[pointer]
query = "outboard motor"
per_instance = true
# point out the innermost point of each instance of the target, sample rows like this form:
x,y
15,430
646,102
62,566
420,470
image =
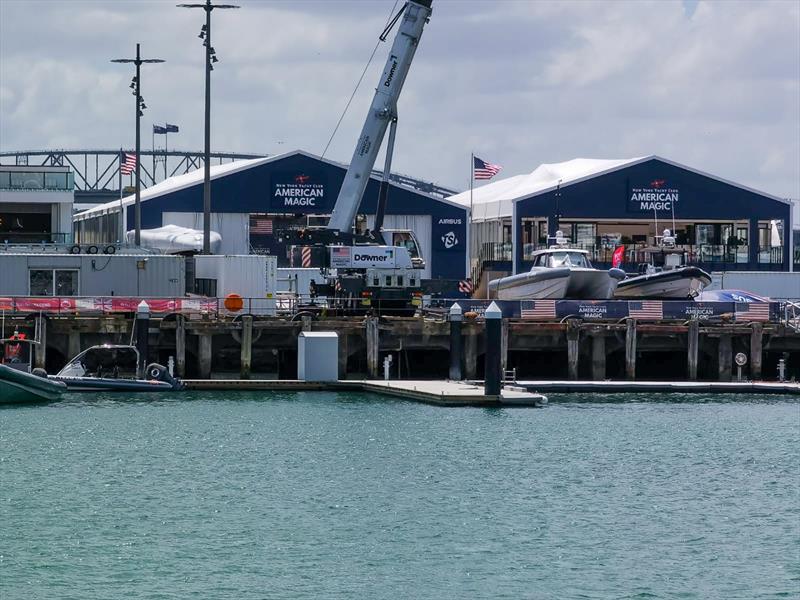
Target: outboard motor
x,y
161,373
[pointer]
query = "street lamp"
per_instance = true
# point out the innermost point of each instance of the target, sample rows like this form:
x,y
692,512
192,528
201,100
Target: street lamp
x,y
211,57
136,86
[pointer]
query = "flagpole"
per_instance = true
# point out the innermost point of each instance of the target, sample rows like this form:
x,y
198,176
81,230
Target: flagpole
x,y
166,135
121,210
473,246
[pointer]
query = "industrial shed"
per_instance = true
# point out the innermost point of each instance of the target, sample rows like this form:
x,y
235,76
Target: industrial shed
x,y
254,201
602,204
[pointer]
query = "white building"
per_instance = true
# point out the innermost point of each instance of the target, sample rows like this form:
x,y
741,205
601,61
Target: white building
x,y
36,204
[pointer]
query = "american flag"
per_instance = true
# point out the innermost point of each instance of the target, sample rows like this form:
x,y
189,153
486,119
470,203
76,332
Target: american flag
x,y
646,309
752,311
465,286
483,170
129,165
261,226
538,309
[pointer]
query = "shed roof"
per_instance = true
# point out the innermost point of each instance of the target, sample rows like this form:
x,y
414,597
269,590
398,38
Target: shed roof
x,y
496,200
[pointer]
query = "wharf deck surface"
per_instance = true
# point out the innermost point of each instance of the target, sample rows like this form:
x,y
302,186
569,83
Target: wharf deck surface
x,y
719,387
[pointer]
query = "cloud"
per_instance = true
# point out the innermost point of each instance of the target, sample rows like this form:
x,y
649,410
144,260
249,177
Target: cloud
x,y
715,85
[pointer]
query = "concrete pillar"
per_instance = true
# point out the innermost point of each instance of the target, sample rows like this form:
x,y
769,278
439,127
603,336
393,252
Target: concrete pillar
x,y
456,324
180,346
598,356
373,347
73,344
725,357
247,347
693,348
344,354
573,348
470,354
630,350
40,356
493,373
756,348
142,336
204,355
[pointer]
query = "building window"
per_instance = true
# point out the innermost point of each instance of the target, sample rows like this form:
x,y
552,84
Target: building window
x,y
205,287
53,282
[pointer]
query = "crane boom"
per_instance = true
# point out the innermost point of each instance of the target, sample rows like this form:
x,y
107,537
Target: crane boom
x,y
381,112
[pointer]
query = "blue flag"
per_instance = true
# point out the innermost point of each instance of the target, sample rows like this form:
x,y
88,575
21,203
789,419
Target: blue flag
x,y
171,128
159,129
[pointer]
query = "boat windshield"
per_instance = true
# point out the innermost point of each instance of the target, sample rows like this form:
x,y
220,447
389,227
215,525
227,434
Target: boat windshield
x,y
568,259
100,361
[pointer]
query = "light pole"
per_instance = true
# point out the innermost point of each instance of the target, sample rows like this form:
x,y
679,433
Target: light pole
x,y
211,57
136,86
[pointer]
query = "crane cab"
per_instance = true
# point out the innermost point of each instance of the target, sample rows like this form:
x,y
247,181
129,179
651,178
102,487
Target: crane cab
x,y
405,238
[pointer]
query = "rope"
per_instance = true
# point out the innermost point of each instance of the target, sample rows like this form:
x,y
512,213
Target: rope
x,y
360,79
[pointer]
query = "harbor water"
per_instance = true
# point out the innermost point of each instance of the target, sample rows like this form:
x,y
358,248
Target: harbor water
x,y
335,495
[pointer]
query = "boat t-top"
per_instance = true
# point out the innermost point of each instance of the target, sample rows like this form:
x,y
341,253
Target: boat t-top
x,y
558,272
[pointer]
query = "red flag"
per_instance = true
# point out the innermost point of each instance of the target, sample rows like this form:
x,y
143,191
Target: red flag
x,y
618,256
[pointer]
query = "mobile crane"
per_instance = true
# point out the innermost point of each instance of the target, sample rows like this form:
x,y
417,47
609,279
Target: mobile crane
x,y
370,266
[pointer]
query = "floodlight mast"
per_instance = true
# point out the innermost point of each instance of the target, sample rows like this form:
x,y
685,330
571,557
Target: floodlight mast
x,y
136,84
211,57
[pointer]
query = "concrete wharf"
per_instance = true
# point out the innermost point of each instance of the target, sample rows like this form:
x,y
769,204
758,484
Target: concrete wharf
x,y
247,347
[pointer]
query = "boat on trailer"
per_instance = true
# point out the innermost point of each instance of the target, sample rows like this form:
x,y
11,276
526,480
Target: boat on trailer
x,y
20,383
665,275
558,272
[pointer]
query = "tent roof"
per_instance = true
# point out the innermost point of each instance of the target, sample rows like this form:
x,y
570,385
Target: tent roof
x,y
496,200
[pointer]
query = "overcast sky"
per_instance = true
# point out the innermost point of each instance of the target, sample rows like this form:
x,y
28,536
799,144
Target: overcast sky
x,y
714,85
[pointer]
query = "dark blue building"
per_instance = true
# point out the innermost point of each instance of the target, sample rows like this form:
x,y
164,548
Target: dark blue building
x,y
602,204
254,202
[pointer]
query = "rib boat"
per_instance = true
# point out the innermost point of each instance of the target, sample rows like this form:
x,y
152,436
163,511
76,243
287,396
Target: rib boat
x,y
19,384
558,273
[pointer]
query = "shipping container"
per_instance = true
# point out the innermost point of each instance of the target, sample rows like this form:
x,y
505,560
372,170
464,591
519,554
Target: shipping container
x,y
253,277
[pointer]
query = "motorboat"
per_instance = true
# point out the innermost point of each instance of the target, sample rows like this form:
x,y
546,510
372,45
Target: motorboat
x,y
19,382
665,275
558,272
111,367
173,239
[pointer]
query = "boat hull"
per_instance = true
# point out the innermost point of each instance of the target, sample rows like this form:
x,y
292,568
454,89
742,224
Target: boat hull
x,y
676,284
18,387
99,384
557,284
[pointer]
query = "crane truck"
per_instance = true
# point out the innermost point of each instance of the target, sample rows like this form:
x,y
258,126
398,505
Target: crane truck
x,y
381,268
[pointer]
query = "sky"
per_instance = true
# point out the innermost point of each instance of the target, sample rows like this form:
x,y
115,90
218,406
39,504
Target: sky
x,y
714,85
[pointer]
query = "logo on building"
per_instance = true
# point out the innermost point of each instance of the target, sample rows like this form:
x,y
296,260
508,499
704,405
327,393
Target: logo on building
x,y
299,191
449,240
655,196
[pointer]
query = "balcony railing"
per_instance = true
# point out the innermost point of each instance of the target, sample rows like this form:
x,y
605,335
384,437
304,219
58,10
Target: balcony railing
x,y
37,181
17,237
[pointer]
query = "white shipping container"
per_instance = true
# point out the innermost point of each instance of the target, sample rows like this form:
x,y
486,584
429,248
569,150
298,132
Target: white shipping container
x,y
251,276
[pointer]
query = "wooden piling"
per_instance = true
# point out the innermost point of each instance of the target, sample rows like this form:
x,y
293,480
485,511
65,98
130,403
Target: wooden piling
x,y
693,348
73,344
598,356
725,354
344,354
246,347
40,356
756,339
470,353
373,347
630,350
573,348
504,346
180,346
204,355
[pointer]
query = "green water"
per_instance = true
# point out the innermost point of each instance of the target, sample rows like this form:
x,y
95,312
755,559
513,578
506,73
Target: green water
x,y
322,495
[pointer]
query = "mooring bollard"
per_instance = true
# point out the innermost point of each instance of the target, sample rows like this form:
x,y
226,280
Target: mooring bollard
x,y
456,322
142,336
492,362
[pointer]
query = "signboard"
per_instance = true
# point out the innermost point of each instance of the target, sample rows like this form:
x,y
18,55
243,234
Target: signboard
x,y
300,192
362,257
656,195
449,234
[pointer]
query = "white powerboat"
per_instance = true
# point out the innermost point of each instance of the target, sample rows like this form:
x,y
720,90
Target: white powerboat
x,y
173,239
665,276
558,272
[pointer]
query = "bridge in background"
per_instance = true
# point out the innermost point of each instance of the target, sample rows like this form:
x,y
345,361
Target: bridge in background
x,y
98,178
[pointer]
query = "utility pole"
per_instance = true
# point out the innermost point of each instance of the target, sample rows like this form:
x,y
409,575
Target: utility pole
x,y
211,57
136,86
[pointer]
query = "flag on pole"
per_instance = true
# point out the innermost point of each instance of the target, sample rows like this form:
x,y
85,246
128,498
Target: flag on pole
x,y
171,128
158,129
618,256
483,170
129,165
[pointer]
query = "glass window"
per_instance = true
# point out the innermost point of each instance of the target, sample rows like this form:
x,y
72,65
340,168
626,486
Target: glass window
x,y
41,282
55,181
66,283
27,181
5,179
